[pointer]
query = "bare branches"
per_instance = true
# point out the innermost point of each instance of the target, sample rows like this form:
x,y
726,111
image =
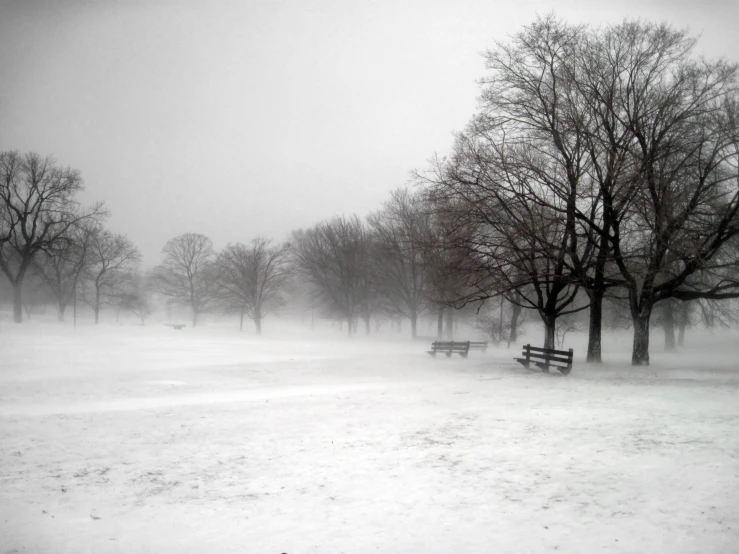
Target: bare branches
x,y
402,231
334,256
187,275
113,258
37,211
251,278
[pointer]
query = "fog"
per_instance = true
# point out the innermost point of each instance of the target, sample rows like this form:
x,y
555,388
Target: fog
x,y
245,119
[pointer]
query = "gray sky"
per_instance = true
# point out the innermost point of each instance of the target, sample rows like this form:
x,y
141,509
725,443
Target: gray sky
x,y
246,118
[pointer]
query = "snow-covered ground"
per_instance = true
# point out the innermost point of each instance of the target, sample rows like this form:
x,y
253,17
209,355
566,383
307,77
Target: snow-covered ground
x,y
145,439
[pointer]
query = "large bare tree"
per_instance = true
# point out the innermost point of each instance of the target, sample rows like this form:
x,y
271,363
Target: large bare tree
x,y
251,279
672,210
626,145
533,116
187,276
37,211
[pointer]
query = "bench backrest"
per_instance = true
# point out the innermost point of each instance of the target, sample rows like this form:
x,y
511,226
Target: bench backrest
x,y
447,345
548,354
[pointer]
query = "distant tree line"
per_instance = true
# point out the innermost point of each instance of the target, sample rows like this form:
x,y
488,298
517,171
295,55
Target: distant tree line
x,y
599,176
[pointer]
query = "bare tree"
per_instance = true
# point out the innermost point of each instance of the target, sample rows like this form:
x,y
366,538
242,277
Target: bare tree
x,y
532,103
510,239
673,208
251,279
332,256
112,259
372,291
62,265
135,297
622,151
187,273
402,229
37,210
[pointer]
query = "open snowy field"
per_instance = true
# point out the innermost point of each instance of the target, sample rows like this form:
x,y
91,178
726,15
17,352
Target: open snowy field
x,y
145,439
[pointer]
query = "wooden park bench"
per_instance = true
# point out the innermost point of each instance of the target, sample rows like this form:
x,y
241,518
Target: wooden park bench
x,y
450,347
483,345
176,326
546,358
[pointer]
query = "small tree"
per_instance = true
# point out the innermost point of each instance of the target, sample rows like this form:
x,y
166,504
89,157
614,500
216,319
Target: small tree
x,y
187,273
63,264
112,258
135,298
503,322
402,228
332,256
251,279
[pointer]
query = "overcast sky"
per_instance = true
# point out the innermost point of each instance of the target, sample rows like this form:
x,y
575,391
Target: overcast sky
x,y
252,118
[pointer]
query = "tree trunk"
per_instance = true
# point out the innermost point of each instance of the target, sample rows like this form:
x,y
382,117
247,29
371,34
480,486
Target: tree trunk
x,y
194,317
367,325
349,325
18,302
61,308
97,305
595,326
258,323
414,324
668,324
440,324
241,321
549,332
449,324
499,335
683,315
515,314
640,352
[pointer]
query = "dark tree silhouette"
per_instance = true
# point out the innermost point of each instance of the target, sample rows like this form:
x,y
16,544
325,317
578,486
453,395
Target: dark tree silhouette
x,y
37,211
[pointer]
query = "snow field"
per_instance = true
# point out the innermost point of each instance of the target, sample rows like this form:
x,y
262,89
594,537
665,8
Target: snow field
x,y
130,439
